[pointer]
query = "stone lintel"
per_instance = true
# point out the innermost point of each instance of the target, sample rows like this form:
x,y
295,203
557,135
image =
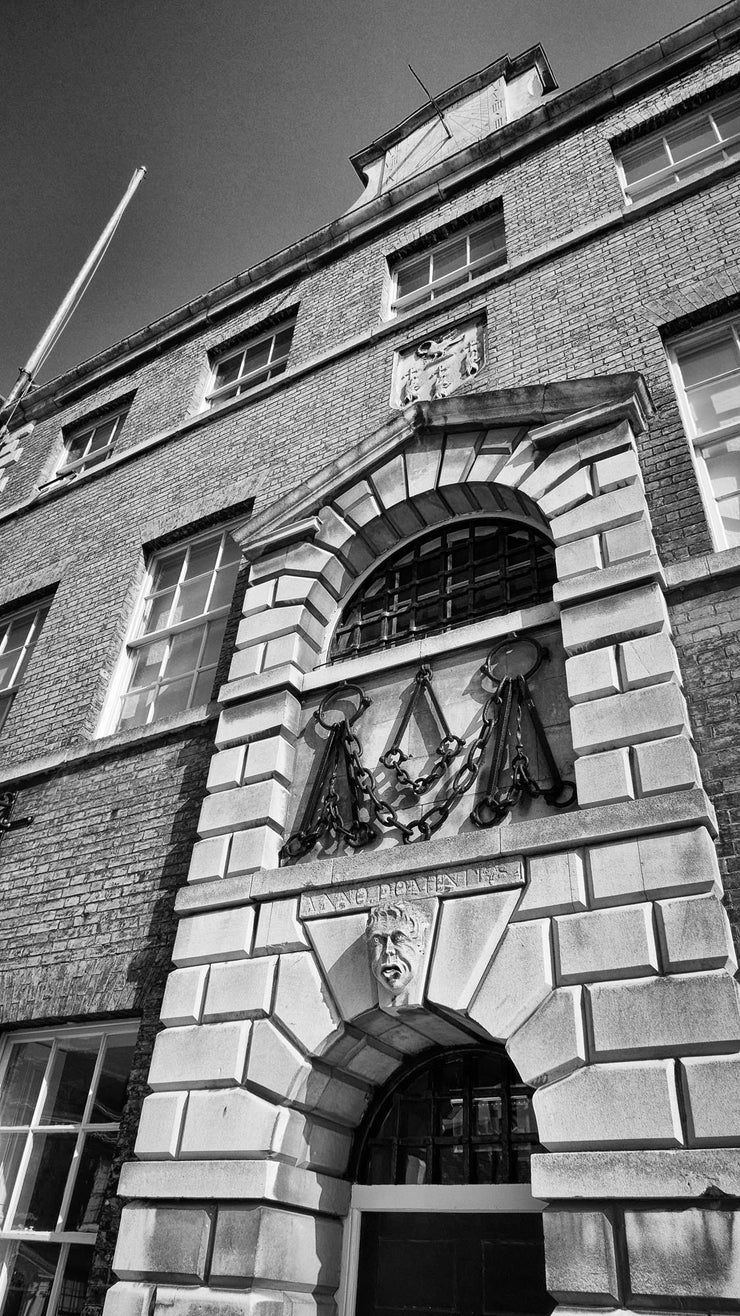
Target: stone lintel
x,y
453,882
707,1173
234,1180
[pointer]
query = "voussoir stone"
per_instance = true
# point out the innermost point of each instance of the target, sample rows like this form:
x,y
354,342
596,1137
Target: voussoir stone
x,y
469,931
517,981
551,1043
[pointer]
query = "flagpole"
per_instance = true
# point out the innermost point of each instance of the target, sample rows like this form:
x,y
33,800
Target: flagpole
x,y
56,325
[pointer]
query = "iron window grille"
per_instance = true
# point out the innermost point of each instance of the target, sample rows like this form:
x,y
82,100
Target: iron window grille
x,y
463,1117
19,632
255,362
62,1093
681,149
447,578
449,264
178,634
92,443
705,365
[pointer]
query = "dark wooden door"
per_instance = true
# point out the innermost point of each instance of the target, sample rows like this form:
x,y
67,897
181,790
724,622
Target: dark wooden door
x,y
452,1265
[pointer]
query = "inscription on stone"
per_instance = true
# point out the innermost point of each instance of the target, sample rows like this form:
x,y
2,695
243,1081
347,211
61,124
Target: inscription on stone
x,y
448,882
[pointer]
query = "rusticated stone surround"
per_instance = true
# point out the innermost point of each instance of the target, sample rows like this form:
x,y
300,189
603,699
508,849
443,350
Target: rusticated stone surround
x,y
592,944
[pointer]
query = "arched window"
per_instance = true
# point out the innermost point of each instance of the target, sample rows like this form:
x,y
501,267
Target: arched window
x,y
462,572
463,1117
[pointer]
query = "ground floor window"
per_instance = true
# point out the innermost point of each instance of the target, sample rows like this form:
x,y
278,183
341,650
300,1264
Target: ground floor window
x,y
61,1099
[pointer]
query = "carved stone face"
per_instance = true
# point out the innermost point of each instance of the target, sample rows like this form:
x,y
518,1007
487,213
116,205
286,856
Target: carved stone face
x,y
396,939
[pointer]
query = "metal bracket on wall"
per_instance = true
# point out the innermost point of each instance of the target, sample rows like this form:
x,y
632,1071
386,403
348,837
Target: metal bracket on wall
x,y
8,801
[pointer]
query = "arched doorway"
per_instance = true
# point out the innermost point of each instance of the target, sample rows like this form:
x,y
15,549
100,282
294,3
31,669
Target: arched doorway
x,y
443,1221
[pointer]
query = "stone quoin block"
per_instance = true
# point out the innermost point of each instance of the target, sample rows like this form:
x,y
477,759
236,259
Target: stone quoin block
x,y
206,1056
311,560
686,1014
551,1043
209,859
580,1255
602,1106
223,934
556,884
250,806
604,778
599,514
250,720
689,1254
160,1124
125,1299
571,491
279,928
303,1004
469,931
276,1069
695,933
276,1247
291,619
616,471
649,660
608,943
272,757
258,847
666,864
666,765
627,719
518,980
167,1242
628,541
578,558
592,675
227,769
711,1086
240,990
307,591
230,1123
258,597
614,618
183,996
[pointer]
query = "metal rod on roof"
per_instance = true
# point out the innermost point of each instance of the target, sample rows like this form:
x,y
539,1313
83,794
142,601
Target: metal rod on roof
x,y
49,337
432,101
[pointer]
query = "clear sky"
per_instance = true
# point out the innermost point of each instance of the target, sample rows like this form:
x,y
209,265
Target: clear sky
x,y
245,113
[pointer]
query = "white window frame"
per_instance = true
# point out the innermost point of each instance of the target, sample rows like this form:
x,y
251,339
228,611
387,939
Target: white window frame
x,y
64,1239
274,366
453,1199
39,612
651,186
436,287
135,640
86,429
701,444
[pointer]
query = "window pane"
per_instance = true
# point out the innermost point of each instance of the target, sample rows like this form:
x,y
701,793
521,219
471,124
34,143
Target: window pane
x,y
184,652
22,1082
212,651
18,632
91,1182
454,256
223,589
147,663
74,1284
102,435
203,687
173,698
690,139
227,371
728,121
708,360
643,160
714,405
8,664
412,276
202,557
167,571
486,242
723,465
11,1151
412,1163
45,1179
69,1080
283,340
135,709
113,1081
157,613
32,1267
452,1165
191,600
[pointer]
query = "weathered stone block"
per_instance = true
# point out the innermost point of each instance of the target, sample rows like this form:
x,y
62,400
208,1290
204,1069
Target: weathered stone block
x,y
129,1299
617,471
626,719
601,1106
275,1247
571,491
240,990
279,928
276,1069
690,1014
614,618
665,765
649,660
628,541
223,934
599,514
209,859
604,778
284,650
691,1255
291,619
609,943
248,721
183,996
592,675
206,1056
342,953
358,504
551,1043
226,771
258,847
711,1090
580,1255
517,981
303,1004
160,1123
576,559
469,932
169,1242
271,757
249,806
661,865
556,885
695,934
232,1123
259,597
307,591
